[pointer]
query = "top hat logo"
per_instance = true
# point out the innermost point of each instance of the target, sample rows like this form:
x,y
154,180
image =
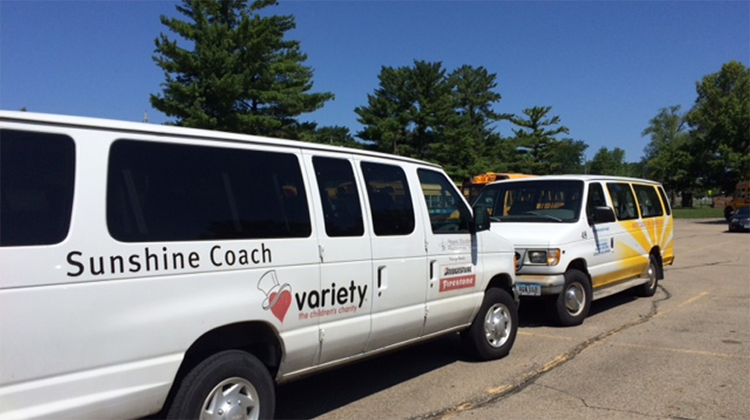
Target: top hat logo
x,y
278,297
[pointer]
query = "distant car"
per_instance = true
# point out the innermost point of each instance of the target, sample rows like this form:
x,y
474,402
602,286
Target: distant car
x,y
740,220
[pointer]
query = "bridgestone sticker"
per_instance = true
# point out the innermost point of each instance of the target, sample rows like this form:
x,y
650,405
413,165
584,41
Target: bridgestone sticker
x,y
454,277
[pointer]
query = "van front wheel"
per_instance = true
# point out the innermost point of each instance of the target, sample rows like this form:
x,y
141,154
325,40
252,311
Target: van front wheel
x,y
228,385
572,305
494,329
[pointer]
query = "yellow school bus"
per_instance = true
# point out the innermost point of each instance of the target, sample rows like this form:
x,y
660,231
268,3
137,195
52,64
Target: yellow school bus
x,y
740,198
471,186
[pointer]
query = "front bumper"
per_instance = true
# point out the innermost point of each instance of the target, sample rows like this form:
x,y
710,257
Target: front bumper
x,y
549,284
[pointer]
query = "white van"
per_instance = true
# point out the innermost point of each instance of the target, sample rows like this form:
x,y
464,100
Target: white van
x,y
581,238
151,269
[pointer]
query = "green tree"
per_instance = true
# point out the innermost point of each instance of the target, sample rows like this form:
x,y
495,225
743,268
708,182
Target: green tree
x,y
387,116
535,141
720,127
667,158
426,113
568,157
335,135
609,162
409,111
470,145
239,73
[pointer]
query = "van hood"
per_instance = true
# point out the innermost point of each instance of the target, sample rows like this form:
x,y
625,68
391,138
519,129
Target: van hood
x,y
538,235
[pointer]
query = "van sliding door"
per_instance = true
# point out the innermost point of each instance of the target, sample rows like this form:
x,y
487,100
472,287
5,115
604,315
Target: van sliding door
x,y
343,303
398,253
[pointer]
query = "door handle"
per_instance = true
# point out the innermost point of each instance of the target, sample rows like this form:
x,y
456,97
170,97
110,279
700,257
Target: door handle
x,y
381,270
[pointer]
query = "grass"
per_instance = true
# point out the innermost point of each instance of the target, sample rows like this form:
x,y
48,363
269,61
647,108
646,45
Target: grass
x,y
698,213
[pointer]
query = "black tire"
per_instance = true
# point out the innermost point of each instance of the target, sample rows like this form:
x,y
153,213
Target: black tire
x,y
649,289
572,305
232,381
493,331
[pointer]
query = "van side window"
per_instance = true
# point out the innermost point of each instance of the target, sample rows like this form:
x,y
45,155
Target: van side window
x,y
176,192
623,200
338,193
595,199
648,199
390,200
664,199
448,213
37,174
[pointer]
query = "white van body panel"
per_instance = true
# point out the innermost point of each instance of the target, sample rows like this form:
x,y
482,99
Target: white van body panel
x,y
95,327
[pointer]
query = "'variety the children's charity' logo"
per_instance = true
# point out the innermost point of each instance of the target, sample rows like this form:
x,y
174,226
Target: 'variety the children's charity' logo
x,y
278,297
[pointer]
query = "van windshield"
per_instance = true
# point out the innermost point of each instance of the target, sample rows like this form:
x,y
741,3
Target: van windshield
x,y
535,201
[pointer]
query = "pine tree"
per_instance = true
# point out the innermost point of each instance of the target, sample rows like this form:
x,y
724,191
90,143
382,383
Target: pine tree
x,y
239,74
535,140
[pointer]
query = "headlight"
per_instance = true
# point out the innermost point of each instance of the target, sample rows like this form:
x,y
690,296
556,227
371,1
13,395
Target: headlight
x,y
538,257
549,257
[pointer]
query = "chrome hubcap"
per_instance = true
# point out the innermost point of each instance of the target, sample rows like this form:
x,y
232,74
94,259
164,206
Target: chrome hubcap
x,y
651,276
575,299
232,399
497,325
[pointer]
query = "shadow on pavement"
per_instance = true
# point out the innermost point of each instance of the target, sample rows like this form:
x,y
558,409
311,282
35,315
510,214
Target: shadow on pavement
x,y
326,391
711,222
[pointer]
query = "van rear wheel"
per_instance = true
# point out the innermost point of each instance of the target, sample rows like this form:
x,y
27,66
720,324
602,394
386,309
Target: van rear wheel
x,y
572,305
648,289
493,332
228,385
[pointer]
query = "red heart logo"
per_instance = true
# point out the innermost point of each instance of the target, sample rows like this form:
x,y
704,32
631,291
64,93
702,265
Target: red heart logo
x,y
282,305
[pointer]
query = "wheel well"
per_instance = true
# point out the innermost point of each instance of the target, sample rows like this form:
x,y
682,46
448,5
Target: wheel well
x,y
656,253
256,338
580,265
502,281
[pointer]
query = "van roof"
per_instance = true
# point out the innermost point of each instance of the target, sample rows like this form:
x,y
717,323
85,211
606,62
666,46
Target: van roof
x,y
579,178
184,133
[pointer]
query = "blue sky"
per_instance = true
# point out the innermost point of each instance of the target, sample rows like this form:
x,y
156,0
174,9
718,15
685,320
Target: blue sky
x,y
606,68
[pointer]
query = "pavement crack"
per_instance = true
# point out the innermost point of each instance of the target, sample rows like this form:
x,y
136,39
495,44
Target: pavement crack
x,y
597,407
530,377
691,267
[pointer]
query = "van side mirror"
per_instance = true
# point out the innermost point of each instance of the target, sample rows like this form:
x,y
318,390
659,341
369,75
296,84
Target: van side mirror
x,y
481,219
602,215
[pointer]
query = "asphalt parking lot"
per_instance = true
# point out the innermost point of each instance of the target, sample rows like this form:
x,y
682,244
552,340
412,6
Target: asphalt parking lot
x,y
683,354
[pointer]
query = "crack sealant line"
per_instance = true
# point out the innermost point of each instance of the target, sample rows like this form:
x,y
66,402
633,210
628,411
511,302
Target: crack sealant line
x,y
497,393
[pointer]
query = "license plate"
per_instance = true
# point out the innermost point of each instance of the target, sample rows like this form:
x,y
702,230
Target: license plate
x,y
529,289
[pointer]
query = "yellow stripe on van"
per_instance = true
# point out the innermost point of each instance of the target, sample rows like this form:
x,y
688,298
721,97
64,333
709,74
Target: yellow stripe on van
x,y
632,249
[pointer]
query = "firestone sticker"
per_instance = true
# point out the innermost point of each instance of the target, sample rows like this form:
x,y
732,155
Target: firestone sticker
x,y
454,277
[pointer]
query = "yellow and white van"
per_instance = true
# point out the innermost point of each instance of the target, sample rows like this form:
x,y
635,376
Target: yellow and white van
x,y
581,238
150,269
